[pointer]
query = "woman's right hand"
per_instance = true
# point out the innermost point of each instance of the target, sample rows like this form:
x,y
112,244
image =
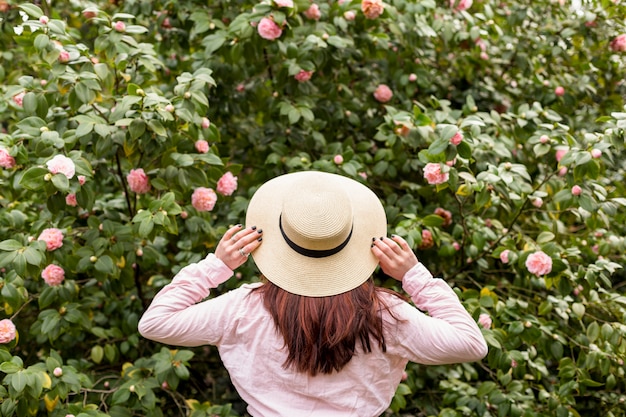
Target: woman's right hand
x,y
394,255
236,244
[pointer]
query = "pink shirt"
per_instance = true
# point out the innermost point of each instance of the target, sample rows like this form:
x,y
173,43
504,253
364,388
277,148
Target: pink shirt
x,y
253,351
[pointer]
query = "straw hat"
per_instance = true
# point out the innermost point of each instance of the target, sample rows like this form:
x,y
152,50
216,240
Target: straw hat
x,y
317,232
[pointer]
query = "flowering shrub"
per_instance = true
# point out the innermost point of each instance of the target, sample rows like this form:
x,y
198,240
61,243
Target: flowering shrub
x,y
494,133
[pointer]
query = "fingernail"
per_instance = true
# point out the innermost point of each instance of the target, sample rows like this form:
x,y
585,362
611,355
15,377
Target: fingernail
x,y
373,239
372,245
253,228
260,231
238,225
260,239
381,238
394,235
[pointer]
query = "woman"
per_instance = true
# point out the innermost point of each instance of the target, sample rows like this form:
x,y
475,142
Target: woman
x,y
317,339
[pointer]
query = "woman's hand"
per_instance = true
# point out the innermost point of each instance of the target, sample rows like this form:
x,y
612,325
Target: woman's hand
x,y
236,244
395,256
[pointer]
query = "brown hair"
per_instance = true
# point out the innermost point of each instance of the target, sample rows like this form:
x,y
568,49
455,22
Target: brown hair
x,y
321,332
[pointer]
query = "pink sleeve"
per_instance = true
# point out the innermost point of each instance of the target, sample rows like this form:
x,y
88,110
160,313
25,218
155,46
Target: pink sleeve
x,y
448,334
176,317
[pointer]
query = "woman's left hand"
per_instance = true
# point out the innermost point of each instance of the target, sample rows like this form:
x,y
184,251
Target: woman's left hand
x,y
236,244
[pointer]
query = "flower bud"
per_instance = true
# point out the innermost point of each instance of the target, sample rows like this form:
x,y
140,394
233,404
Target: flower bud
x,y
58,372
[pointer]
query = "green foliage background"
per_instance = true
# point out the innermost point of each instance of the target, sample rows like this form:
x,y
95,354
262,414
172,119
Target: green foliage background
x,y
557,344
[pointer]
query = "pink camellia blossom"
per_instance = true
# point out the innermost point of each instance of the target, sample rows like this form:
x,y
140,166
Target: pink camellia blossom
x,y
303,76
559,91
227,184
206,123
70,200
313,12
44,19
58,372
363,175
372,8
53,275
7,331
562,171
203,199
596,153
64,56
446,215
53,238
412,77
61,164
383,93
82,179
202,146
544,139
6,160
169,108
284,3
138,181
338,159
618,44
349,15
19,98
268,29
537,202
456,246
457,138
434,175
427,240
485,320
539,263
484,56
576,190
462,5
119,26
504,256
560,153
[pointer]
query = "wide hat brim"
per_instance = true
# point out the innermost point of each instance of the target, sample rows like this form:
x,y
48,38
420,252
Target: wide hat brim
x,y
305,275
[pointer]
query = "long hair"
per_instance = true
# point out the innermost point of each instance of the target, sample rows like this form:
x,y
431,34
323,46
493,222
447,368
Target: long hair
x,y
321,333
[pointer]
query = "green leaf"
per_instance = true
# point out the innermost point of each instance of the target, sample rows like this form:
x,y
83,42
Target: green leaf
x,y
10,245
32,10
97,353
105,265
432,220
61,182
33,178
545,237
593,331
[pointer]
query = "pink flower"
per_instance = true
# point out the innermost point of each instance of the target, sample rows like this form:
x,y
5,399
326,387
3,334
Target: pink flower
x,y
7,331
206,123
457,138
427,240
559,91
484,56
338,159
81,179
313,12
6,160
349,15
202,146
618,44
61,164
462,5
544,139
138,181
227,184
203,199
268,29
504,256
44,19
53,275
562,171
537,202
169,108
383,93
64,56
576,190
240,87
303,76
433,174
456,246
539,263
445,215
513,363
596,153
284,3
412,77
70,200
560,153
485,320
372,8
119,26
53,238
19,98
58,372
